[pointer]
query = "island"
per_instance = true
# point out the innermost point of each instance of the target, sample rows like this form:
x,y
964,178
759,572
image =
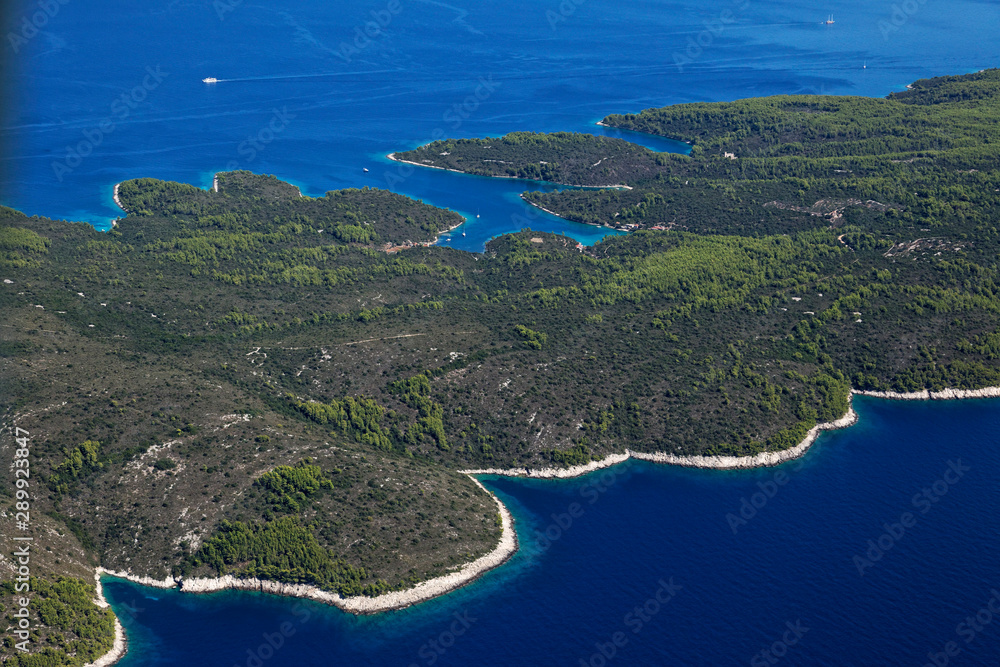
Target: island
x,y
243,387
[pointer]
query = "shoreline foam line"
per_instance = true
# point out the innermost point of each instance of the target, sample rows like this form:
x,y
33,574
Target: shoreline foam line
x,y
359,604
927,395
118,203
120,647
620,186
764,459
658,136
542,208
508,544
390,248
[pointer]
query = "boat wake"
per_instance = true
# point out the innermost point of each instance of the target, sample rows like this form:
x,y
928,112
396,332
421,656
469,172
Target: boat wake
x,y
294,77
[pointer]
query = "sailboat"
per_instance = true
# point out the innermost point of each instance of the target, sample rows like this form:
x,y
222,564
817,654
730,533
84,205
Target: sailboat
x,y
829,20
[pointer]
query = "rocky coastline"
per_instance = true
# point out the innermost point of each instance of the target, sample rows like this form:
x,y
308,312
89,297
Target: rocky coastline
x,y
358,604
718,462
757,460
120,647
927,395
118,201
508,544
620,186
361,604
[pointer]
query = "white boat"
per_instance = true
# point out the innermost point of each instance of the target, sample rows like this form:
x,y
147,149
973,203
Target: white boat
x,y
210,79
829,20
366,169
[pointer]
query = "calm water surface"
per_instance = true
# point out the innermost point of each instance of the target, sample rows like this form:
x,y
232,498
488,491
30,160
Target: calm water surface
x,y
296,103
731,585
304,97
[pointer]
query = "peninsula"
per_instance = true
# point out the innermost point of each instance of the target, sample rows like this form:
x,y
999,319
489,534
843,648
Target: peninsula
x,y
240,387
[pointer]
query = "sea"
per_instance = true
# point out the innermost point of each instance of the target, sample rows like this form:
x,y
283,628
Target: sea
x,y
878,547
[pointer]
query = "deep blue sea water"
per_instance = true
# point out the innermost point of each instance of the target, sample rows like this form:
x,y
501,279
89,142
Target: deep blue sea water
x,y
641,530
307,96
296,103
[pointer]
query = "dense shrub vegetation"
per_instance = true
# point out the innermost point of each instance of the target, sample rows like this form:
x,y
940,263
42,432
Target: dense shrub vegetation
x,y
71,629
259,388
286,551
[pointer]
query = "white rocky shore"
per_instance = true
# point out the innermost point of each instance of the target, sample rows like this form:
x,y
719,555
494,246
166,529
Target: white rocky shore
x,y
118,201
943,395
370,605
508,539
757,460
359,604
394,158
120,647
168,582
720,462
552,473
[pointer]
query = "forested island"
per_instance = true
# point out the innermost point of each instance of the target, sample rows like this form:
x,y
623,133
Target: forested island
x,y
764,166
246,382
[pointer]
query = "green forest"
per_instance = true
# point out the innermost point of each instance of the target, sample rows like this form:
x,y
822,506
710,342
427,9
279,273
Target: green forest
x,y
248,382
923,158
74,632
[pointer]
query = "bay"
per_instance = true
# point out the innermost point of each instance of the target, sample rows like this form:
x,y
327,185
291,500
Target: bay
x,y
306,95
730,589
294,102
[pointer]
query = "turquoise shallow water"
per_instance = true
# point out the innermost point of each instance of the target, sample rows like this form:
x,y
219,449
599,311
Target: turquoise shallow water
x,y
294,101
319,119
643,531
